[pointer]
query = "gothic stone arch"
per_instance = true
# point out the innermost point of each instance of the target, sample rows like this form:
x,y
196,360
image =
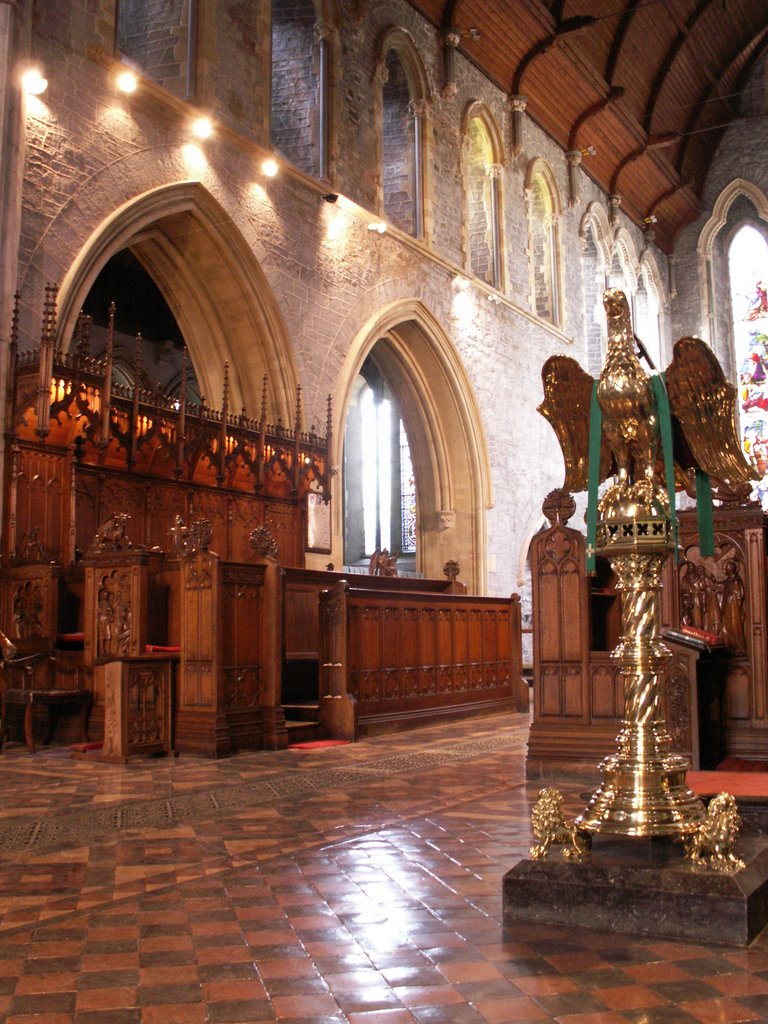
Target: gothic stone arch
x,y
448,446
213,284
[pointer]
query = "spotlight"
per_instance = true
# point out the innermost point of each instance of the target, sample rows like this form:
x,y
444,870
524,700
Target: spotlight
x,y
650,219
33,82
127,81
331,197
589,151
378,225
270,168
203,127
460,282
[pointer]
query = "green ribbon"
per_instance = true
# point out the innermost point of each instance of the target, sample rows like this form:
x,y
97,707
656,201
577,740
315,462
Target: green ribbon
x,y
595,443
659,387
704,514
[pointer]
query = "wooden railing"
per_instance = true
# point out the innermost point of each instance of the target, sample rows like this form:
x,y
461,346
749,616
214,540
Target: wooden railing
x,y
407,657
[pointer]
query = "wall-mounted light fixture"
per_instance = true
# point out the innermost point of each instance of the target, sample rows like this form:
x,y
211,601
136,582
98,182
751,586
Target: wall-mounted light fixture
x,y
378,225
460,283
270,167
127,81
331,197
33,82
203,127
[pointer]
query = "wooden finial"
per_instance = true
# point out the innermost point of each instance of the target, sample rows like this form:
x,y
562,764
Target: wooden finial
x,y
263,416
106,398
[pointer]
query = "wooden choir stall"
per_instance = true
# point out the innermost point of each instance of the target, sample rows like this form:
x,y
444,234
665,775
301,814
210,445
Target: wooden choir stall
x,y
713,620
153,560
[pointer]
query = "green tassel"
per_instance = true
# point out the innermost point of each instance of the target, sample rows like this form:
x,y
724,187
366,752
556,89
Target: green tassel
x,y
595,443
704,514
659,387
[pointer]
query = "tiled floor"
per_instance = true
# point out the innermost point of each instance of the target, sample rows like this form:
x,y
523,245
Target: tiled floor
x,y
357,884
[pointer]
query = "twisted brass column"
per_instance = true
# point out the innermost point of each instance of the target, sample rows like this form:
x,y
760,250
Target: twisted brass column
x,y
644,792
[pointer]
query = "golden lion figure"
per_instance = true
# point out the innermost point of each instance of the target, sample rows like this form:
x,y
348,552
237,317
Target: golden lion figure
x,y
550,826
713,841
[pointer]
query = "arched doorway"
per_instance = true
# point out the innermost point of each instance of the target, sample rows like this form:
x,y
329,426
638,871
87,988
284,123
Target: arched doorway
x,y
446,441
213,285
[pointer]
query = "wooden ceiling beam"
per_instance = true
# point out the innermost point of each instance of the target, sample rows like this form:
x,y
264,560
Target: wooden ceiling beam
x,y
625,23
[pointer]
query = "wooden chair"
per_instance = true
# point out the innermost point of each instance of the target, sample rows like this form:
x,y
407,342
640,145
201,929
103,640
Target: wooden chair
x,y
30,679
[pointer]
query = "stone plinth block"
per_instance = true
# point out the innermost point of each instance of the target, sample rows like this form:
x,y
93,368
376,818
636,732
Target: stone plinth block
x,y
644,887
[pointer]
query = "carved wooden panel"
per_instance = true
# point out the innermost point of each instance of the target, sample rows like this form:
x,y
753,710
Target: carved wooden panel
x,y
39,498
409,653
198,677
242,622
137,708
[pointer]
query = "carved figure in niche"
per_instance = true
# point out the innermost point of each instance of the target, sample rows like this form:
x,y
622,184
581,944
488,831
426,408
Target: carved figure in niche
x,y
105,618
732,619
27,611
382,563
32,549
712,612
686,601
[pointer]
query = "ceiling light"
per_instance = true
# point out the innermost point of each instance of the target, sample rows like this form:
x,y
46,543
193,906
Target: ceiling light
x,y
127,81
270,168
33,82
203,127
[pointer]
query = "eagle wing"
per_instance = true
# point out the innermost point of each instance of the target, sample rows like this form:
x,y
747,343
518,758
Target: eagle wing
x,y
567,399
704,404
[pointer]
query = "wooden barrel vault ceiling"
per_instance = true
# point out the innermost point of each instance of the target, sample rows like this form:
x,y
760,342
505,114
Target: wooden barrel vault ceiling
x,y
650,85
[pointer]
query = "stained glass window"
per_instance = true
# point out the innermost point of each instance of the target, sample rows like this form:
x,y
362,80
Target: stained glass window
x,y
407,496
748,268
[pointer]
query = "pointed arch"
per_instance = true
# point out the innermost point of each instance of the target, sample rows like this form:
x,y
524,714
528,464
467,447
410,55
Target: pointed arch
x,y
402,42
213,284
544,258
403,97
596,218
482,160
448,446
625,251
717,220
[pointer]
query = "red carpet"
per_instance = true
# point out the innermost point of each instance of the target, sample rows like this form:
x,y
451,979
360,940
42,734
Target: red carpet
x,y
317,744
741,784
742,764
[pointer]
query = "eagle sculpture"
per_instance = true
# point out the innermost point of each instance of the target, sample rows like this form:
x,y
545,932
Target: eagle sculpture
x,y
702,406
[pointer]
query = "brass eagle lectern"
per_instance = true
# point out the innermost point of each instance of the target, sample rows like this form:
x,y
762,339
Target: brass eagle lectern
x,y
656,432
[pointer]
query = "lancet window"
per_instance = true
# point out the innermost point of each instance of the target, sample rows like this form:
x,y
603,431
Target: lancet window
x,y
543,243
379,486
299,85
156,37
483,203
748,272
402,146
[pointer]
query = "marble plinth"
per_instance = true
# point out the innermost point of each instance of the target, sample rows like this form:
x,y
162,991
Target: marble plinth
x,y
644,887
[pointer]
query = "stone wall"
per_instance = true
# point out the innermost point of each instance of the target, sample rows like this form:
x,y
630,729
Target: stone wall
x,y
90,153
